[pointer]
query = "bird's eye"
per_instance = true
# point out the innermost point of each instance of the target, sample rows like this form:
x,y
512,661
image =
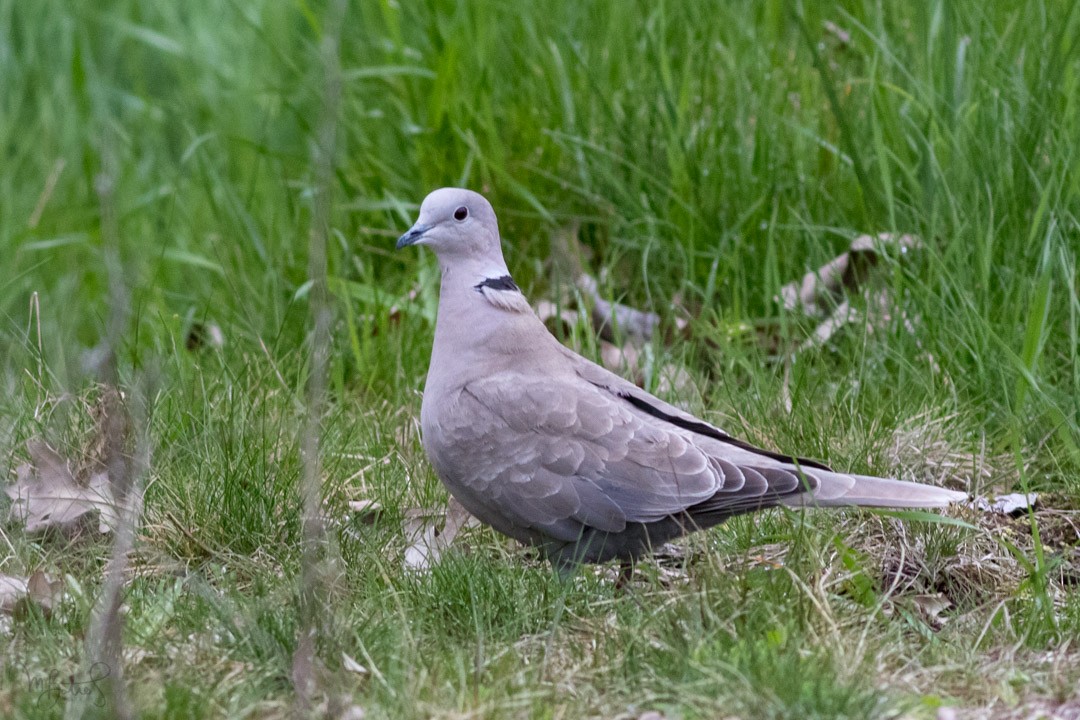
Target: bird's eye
x,y
461,213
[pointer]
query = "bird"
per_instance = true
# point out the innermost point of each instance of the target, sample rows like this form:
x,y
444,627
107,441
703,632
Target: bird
x,y
551,449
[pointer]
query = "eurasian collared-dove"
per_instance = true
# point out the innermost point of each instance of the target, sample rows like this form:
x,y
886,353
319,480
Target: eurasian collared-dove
x,y
554,450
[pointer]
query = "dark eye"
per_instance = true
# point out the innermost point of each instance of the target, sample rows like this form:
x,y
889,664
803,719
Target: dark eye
x,y
461,213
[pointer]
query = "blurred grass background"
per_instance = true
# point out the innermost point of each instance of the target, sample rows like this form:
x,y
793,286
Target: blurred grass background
x,y
710,151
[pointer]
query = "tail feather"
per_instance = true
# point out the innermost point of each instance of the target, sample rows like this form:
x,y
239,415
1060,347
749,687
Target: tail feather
x,y
837,490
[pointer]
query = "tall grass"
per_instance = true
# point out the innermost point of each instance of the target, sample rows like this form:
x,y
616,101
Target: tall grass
x,y
710,152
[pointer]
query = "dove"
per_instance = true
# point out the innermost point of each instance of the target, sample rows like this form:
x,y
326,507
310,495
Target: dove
x,y
549,448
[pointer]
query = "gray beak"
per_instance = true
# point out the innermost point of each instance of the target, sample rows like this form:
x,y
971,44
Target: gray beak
x,y
410,238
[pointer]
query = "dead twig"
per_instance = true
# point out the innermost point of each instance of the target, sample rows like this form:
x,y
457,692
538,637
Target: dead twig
x,y
318,558
125,471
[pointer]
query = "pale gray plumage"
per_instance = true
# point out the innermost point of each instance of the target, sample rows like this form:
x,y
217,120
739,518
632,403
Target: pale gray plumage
x,y
552,449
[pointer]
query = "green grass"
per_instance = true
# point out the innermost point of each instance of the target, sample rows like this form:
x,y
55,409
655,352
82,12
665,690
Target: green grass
x,y
710,152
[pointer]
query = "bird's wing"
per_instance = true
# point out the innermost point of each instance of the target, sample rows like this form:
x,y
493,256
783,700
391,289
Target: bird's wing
x,y
666,413
790,480
556,453
584,448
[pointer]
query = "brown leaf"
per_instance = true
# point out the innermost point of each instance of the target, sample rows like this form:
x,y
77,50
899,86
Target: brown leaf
x,y
44,591
623,360
560,322
930,606
673,380
633,364
200,335
423,551
1014,504
457,517
37,589
842,35
821,289
111,430
614,322
366,511
880,311
349,664
427,542
612,319
46,496
842,315
12,590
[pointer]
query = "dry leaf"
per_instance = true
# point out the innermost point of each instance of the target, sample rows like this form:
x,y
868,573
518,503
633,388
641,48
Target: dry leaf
x,y
843,315
1014,504
350,665
842,35
610,318
821,293
635,327
457,517
633,364
366,511
569,260
44,591
673,380
12,590
422,552
821,289
419,529
623,360
930,606
879,306
201,335
670,553
427,543
37,589
559,322
46,495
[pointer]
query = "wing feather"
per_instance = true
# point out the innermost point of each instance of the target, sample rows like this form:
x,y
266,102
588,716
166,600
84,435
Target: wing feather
x,y
552,453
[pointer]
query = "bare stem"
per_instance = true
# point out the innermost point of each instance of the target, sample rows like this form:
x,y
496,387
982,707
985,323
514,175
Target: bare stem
x,y
104,649
316,560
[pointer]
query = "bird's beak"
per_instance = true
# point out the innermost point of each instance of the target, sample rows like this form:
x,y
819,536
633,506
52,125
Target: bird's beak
x,y
413,236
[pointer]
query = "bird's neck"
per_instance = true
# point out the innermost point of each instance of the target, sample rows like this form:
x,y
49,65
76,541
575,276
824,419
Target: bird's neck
x,y
482,315
476,289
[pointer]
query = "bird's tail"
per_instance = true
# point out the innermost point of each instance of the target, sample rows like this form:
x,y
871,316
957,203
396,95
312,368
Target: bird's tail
x,y
839,490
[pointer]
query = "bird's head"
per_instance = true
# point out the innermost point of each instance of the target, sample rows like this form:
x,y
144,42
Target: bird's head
x,y
456,224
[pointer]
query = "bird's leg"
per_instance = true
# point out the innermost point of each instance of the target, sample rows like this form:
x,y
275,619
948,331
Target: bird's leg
x,y
626,572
